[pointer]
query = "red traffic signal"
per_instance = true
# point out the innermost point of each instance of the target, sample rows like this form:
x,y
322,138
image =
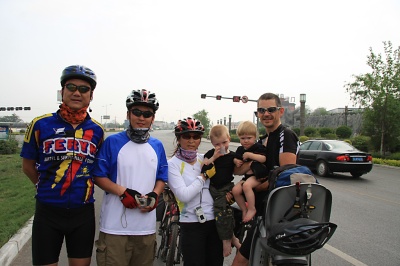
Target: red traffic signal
x,y
236,99
218,97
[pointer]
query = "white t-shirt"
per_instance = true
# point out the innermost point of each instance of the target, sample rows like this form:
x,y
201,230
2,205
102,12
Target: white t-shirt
x,y
135,166
190,189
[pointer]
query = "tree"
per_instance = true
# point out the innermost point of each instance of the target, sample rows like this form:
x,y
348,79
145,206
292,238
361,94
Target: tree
x,y
320,111
11,118
392,129
377,91
203,117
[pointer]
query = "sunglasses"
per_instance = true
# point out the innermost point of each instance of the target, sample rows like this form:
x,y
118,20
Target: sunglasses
x,y
73,88
145,114
269,110
195,137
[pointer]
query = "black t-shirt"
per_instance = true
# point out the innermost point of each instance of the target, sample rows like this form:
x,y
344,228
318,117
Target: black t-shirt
x,y
224,169
281,140
257,148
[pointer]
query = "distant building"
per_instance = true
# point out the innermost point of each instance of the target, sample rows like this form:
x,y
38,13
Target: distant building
x,y
161,125
343,110
289,103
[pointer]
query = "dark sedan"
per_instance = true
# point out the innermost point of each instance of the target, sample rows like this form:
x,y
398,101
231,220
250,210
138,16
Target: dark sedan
x,y
329,156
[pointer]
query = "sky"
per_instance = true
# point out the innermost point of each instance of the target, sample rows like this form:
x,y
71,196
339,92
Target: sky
x,y
180,49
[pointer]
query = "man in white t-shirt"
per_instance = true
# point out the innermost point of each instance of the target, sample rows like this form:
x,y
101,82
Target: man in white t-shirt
x,y
132,169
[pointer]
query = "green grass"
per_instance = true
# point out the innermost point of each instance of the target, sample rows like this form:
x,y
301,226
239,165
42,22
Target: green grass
x,y
17,203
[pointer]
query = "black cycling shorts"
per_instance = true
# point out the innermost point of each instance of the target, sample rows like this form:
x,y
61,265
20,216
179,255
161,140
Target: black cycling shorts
x,y
52,224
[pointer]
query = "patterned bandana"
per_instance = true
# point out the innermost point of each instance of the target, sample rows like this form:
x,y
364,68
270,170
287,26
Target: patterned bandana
x,y
72,116
138,135
186,155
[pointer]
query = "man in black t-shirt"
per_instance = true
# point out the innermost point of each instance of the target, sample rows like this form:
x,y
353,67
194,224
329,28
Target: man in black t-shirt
x,y
282,146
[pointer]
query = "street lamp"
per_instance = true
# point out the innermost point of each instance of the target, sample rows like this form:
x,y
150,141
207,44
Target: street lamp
x,y
230,120
302,112
106,116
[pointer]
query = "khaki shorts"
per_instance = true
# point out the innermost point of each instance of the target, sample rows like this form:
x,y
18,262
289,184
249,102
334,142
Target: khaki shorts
x,y
114,250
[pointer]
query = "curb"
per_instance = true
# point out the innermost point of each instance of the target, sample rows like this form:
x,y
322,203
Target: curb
x,y
10,250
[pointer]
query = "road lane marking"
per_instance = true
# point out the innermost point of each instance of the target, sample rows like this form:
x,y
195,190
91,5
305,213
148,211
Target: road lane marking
x,y
344,256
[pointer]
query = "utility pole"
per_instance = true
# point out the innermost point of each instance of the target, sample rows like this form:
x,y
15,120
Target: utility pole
x,y
302,113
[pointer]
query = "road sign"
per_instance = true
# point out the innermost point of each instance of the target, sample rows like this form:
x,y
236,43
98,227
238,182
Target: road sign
x,y
245,99
236,99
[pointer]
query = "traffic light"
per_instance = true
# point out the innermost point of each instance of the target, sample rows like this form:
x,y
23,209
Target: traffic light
x,y
27,108
218,97
203,96
10,108
18,108
2,109
236,99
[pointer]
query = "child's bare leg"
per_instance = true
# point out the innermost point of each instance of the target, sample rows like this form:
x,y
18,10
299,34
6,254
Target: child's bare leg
x,y
248,186
227,246
235,241
237,193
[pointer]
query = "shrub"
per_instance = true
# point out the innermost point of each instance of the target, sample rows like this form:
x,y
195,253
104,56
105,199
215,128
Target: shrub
x,y
261,130
343,132
348,141
362,143
235,138
303,138
323,131
296,130
8,146
386,162
330,136
395,156
310,132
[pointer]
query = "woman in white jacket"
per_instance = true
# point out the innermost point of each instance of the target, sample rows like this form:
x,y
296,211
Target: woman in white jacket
x,y
200,242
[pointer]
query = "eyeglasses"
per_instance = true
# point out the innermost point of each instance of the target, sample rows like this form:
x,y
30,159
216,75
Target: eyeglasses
x,y
269,110
145,114
73,88
195,137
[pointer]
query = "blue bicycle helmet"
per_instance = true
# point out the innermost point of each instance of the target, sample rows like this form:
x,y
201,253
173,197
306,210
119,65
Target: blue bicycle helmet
x,y
78,72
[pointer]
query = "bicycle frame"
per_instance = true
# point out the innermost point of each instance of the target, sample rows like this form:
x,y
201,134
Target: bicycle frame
x,y
170,248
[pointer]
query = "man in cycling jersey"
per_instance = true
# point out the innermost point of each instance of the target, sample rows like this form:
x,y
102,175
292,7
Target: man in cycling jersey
x,y
58,154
